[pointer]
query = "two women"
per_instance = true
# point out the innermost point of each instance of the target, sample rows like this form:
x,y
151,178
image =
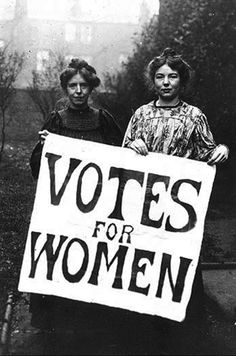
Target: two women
x,y
166,125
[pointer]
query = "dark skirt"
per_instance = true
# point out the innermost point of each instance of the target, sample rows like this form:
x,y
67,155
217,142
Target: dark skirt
x,y
96,329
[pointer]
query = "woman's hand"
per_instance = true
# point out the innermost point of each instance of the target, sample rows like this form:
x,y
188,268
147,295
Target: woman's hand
x,y
139,146
43,134
220,155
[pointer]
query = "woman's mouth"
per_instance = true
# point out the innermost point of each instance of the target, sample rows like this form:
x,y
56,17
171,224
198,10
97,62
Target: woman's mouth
x,y
166,90
78,97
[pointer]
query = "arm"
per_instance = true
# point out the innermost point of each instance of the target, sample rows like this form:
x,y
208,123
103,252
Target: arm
x,y
36,154
111,131
130,140
205,148
220,154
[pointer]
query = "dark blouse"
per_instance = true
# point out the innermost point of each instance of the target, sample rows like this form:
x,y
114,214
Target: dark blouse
x,y
51,312
91,124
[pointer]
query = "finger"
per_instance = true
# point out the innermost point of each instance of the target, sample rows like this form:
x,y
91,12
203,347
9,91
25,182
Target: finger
x,y
213,158
44,132
143,150
217,159
142,147
138,148
134,148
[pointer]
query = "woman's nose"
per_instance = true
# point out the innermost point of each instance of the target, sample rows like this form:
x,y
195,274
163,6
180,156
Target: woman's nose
x,y
166,81
78,88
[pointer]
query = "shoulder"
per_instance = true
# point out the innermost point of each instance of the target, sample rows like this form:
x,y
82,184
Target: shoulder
x,y
53,120
191,108
106,118
146,108
104,114
110,128
193,112
146,111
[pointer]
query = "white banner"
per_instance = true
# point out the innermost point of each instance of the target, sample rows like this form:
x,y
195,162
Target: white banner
x,y
113,227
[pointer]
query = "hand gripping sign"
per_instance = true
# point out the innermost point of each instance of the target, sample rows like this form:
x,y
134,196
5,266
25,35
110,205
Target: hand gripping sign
x,y
112,227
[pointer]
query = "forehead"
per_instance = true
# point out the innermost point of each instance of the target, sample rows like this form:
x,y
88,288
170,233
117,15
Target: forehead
x,y
165,69
77,78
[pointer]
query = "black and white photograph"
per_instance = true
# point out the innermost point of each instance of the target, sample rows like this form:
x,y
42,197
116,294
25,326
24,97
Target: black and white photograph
x,y
117,177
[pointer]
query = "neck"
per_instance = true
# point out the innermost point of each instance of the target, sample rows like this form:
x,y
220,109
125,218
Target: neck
x,y
161,102
82,107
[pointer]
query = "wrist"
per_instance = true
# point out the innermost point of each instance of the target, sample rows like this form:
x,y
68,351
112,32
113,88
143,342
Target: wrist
x,y
222,144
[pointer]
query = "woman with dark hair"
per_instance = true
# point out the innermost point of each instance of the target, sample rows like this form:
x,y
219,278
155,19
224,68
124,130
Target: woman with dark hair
x,y
66,322
168,124
78,119
171,126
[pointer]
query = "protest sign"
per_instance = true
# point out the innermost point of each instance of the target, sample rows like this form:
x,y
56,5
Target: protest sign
x,y
116,228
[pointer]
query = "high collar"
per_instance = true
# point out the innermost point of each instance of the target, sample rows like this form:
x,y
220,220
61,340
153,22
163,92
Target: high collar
x,y
79,110
167,106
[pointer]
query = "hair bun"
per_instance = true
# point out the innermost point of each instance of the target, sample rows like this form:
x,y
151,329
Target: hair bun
x,y
169,52
78,63
75,62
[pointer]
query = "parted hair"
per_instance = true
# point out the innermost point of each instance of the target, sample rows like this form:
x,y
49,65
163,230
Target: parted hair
x,y
80,66
174,61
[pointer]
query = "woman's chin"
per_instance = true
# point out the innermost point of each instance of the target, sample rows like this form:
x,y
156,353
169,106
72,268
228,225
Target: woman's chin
x,y
78,103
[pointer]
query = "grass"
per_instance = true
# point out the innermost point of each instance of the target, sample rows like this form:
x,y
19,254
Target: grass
x,y
16,195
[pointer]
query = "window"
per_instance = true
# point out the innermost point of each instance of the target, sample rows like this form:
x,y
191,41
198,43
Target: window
x,y
2,44
85,33
70,32
7,9
42,60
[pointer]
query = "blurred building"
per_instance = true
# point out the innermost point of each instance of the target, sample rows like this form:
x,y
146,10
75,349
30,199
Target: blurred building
x,y
103,44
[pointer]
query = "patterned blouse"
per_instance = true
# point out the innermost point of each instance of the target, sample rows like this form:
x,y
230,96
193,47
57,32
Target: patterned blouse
x,y
180,130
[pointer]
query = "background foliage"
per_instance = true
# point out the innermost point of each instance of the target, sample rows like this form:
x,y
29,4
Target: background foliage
x,y
10,66
204,32
45,88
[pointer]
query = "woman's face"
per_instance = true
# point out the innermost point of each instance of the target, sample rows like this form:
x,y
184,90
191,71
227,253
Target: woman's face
x,y
167,83
78,91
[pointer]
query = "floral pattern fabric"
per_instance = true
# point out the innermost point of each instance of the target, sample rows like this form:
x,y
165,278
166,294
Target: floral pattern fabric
x,y
181,130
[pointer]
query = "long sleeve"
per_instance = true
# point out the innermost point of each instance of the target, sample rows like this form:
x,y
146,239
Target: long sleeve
x,y
202,139
132,131
127,137
36,154
111,131
35,159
